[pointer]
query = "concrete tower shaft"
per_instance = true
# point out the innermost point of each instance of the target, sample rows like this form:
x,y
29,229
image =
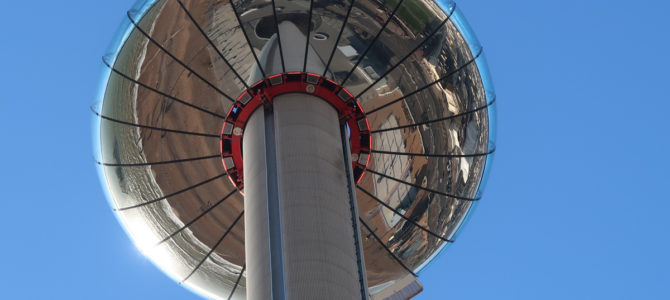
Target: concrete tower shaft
x,y
301,231
300,235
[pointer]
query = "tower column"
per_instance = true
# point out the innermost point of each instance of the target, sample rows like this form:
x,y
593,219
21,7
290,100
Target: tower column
x,y
299,223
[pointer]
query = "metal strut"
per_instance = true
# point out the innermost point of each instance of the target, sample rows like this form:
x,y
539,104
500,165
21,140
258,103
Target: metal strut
x,y
214,247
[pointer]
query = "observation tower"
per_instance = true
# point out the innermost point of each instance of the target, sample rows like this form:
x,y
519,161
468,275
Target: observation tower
x,y
294,149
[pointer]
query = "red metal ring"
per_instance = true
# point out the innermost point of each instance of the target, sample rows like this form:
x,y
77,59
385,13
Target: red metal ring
x,y
264,91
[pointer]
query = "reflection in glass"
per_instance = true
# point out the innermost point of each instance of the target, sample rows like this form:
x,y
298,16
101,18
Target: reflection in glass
x,y
174,69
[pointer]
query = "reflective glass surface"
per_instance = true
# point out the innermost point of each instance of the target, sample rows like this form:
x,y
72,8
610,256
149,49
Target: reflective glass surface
x,y
176,67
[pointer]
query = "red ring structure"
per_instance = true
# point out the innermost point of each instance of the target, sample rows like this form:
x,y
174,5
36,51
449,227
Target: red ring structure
x,y
263,92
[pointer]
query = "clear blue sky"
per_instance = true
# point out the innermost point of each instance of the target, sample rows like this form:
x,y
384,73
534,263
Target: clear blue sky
x,y
576,207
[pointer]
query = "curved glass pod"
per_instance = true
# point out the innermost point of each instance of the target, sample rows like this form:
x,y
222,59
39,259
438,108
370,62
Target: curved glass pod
x,y
491,111
175,68
162,173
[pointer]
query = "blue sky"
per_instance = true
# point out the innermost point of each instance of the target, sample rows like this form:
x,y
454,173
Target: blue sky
x,y
576,206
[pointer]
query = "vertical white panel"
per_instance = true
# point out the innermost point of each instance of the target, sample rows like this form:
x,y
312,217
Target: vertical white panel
x,y
318,236
256,234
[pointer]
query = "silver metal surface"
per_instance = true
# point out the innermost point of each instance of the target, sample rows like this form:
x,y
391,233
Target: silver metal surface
x,y
422,81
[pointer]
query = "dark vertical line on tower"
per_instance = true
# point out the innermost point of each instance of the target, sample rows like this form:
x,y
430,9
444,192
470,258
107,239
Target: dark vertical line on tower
x,y
362,276
274,209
